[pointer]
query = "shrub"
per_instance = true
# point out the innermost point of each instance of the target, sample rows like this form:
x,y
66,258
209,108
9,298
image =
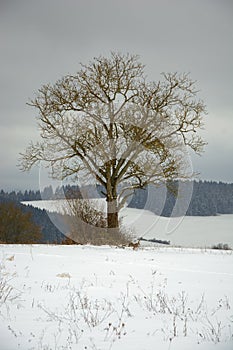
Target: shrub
x,y
88,225
221,246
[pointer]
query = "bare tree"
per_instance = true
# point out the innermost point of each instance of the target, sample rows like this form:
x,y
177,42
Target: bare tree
x,y
108,123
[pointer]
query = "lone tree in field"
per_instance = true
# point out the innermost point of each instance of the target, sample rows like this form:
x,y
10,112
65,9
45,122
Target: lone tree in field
x,y
108,123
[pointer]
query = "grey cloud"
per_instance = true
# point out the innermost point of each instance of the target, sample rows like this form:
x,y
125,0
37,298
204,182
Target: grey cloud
x,y
42,40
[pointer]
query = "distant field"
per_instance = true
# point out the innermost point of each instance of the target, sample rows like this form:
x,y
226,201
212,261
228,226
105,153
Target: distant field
x,y
195,231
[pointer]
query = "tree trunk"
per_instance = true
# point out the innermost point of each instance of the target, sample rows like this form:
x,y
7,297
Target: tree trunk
x,y
112,214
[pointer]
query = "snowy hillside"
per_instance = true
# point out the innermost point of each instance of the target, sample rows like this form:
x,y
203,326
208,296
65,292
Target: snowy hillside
x,y
102,298
196,231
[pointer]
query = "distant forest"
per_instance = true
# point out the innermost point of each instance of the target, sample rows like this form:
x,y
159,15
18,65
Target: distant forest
x,y
50,233
208,199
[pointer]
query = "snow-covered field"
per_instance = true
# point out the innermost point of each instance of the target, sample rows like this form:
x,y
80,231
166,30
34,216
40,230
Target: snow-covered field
x,y
107,298
85,297
196,231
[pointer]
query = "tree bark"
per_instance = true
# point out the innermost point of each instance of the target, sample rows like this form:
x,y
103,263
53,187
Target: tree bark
x,y
112,214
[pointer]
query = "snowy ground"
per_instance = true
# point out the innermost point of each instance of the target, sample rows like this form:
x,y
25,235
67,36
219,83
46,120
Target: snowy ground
x,y
195,231
76,297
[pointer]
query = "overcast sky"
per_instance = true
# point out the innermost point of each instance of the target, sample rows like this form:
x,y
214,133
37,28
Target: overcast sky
x,y
40,41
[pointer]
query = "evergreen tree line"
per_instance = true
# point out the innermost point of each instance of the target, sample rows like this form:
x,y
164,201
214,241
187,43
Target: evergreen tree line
x,y
62,192
208,198
38,227
49,232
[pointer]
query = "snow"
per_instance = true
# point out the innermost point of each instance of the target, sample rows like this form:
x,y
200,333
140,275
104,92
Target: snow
x,y
86,297
197,231
188,231
61,206
108,298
